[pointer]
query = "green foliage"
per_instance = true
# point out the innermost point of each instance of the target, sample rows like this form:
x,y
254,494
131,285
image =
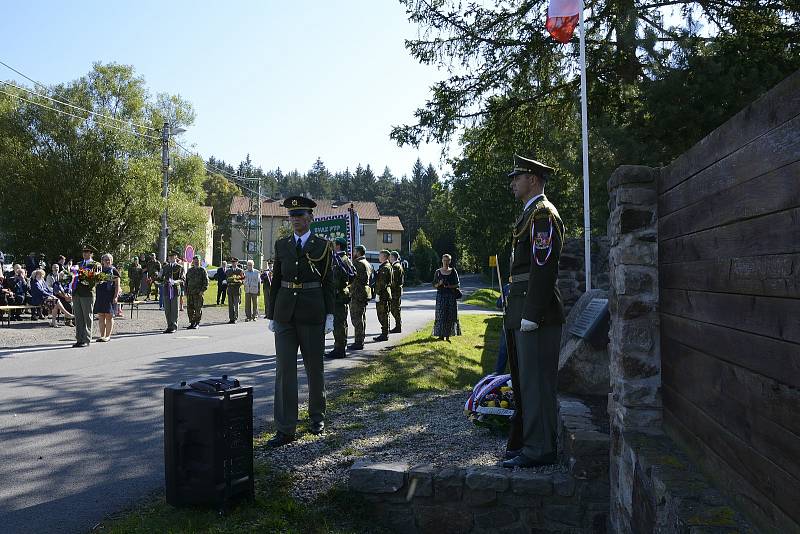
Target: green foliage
x,y
70,181
425,258
483,298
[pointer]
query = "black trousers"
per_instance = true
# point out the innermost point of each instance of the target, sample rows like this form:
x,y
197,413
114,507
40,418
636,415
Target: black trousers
x,y
222,289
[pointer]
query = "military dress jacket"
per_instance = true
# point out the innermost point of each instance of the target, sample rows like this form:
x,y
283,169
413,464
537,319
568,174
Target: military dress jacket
x,y
536,248
297,304
383,281
172,272
81,289
360,291
196,281
342,275
398,278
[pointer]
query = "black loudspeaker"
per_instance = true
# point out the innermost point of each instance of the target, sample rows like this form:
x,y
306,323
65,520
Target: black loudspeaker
x,y
208,442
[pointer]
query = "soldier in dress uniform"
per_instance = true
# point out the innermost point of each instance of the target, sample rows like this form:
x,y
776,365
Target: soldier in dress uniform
x,y
172,282
196,285
83,300
343,273
301,314
534,316
383,292
398,278
235,278
360,295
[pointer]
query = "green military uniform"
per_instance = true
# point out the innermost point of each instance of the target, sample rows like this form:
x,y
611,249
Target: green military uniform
x,y
83,303
301,299
398,278
153,273
360,295
383,292
534,296
172,280
196,285
135,273
234,290
342,272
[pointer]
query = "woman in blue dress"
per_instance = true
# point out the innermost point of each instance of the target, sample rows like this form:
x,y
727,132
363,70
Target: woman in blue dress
x,y
105,302
42,295
447,283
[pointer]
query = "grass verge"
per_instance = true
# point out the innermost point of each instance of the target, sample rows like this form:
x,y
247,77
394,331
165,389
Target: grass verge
x,y
483,298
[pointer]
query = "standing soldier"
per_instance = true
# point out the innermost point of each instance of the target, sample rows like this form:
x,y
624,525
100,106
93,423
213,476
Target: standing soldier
x,y
360,295
534,316
234,277
398,277
383,292
83,298
134,277
153,272
301,314
196,285
343,273
172,281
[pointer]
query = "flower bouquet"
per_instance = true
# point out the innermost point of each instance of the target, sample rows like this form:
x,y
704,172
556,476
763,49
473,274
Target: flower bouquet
x,y
491,403
235,279
88,276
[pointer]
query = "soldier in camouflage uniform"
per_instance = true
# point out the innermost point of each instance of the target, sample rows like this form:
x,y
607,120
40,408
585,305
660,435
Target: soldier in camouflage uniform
x,y
135,273
343,272
383,292
360,295
398,277
196,285
153,272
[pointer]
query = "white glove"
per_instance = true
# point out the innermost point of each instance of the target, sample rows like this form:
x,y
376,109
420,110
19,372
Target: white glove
x,y
527,326
271,325
329,323
378,298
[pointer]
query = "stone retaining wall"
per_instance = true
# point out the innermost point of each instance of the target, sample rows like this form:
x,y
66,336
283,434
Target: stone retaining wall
x,y
572,497
572,272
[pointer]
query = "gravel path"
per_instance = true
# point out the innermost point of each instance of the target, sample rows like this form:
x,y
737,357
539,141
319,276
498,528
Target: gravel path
x,y
150,320
423,429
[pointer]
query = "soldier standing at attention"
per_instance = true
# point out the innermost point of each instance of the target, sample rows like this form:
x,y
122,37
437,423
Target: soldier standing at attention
x,y
534,316
83,299
235,278
398,278
343,273
134,277
360,295
383,292
301,314
196,285
172,281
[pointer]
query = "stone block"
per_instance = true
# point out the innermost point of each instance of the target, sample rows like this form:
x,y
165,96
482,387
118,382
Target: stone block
x,y
528,483
519,501
634,279
632,174
497,517
443,519
637,366
479,497
448,485
633,252
420,481
563,485
632,219
368,477
642,196
563,514
487,479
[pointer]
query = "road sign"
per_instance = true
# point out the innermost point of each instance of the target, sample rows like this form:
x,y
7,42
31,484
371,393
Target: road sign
x,y
492,261
188,253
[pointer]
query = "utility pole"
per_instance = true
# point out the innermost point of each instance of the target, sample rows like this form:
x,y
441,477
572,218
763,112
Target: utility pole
x,y
162,249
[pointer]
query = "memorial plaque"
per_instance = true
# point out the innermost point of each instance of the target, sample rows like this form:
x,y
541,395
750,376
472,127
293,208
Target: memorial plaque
x,y
592,323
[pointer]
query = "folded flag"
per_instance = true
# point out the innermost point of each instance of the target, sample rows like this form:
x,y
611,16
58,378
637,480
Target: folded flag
x,y
562,17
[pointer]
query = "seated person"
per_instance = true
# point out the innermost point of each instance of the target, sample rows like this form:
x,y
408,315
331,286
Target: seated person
x,y
62,289
21,290
42,295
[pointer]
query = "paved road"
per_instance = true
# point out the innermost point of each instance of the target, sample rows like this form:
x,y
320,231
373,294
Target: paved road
x,y
81,430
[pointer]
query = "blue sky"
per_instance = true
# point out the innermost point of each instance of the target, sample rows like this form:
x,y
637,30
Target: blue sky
x,y
286,81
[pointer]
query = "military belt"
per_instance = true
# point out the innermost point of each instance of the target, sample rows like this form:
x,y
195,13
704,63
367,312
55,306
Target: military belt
x,y
306,285
522,277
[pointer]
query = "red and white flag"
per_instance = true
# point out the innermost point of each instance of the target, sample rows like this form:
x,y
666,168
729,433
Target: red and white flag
x,y
562,17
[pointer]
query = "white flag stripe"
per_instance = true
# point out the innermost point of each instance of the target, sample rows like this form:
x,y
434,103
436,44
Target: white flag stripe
x,y
563,8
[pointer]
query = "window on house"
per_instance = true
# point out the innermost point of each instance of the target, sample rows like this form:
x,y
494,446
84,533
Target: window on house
x,y
361,229
387,237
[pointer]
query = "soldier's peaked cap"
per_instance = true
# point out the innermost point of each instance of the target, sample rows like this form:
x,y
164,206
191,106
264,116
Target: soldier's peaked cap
x,y
530,166
88,248
342,241
298,205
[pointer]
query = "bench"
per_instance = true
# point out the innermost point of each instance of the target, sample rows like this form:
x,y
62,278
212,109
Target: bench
x,y
14,307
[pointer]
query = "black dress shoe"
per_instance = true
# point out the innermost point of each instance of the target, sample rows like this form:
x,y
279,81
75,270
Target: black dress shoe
x,y
231,322
396,330
335,354
523,461
279,440
317,428
191,327
355,346
511,454
80,345
382,337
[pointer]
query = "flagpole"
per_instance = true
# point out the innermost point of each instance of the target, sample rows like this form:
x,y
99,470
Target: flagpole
x,y
587,234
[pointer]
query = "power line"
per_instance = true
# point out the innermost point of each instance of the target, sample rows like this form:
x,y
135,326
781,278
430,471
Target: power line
x,y
77,116
67,103
233,178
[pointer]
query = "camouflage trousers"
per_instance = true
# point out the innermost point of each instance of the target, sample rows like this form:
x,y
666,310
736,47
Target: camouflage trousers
x,y
397,293
194,307
358,316
382,308
339,325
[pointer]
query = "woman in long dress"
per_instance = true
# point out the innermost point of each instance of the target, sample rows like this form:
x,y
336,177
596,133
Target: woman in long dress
x,y
446,282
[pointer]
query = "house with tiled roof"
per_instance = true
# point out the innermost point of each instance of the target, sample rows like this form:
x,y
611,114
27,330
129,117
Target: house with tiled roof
x,y
374,228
